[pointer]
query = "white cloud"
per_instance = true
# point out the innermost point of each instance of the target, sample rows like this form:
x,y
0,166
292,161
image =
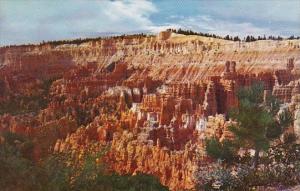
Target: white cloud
x,y
132,12
205,23
34,21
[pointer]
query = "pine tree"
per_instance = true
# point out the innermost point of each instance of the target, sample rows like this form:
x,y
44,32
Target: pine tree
x,y
291,37
225,151
248,39
258,121
236,38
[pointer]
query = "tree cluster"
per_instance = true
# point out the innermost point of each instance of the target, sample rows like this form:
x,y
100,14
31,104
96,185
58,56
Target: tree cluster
x,y
190,32
236,38
293,37
248,38
57,172
259,126
79,41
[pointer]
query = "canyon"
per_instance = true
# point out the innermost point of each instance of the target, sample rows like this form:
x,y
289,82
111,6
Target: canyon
x,y
153,99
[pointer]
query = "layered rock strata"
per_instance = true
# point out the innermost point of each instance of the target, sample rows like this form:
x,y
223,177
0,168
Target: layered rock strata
x,y
152,99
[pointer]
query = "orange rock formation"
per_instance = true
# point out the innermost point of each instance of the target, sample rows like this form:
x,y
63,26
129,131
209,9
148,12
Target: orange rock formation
x,y
154,100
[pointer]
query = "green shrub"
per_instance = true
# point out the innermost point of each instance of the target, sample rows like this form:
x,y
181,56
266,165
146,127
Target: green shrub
x,y
224,151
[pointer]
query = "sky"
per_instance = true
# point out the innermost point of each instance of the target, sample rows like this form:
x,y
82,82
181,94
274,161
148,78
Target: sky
x,y
33,21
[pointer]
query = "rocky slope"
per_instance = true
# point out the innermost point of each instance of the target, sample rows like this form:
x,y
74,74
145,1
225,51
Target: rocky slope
x,y
169,57
152,99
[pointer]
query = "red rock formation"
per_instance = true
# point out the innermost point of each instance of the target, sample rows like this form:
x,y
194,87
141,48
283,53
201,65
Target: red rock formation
x,y
210,103
185,58
167,111
174,168
153,99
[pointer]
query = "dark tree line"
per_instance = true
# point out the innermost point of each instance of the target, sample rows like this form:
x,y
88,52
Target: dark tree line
x,y
83,40
79,41
236,38
248,38
293,37
252,38
190,32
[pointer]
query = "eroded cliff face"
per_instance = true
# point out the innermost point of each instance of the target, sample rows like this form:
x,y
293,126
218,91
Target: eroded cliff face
x,y
175,168
153,100
178,57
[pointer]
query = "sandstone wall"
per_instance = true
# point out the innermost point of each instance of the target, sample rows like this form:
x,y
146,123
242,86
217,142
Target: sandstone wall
x,y
177,58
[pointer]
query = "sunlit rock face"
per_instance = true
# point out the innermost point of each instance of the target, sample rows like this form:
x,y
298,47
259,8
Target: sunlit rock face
x,y
153,99
167,57
174,168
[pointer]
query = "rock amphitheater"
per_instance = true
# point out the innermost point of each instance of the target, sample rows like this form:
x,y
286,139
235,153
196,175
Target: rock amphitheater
x,y
167,93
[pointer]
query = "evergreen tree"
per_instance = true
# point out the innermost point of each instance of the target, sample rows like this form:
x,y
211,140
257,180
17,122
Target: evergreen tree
x,y
248,39
258,121
227,37
291,37
236,38
225,151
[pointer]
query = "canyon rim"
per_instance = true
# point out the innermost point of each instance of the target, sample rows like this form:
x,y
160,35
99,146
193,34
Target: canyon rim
x,y
149,95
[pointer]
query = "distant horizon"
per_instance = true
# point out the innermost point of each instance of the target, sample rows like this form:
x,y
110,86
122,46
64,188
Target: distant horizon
x,y
32,22
109,35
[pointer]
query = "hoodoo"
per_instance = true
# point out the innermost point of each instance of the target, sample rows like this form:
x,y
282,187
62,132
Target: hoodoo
x,y
153,100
